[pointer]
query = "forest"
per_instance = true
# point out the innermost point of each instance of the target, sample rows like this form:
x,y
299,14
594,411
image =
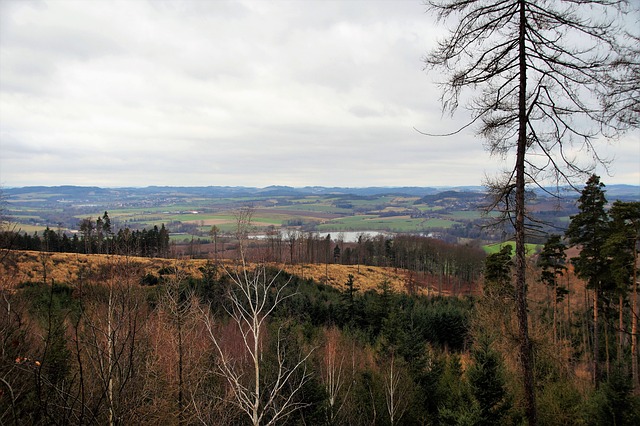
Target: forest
x,y
238,340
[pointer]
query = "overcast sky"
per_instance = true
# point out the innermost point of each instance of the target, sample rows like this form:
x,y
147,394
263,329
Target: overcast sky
x,y
239,93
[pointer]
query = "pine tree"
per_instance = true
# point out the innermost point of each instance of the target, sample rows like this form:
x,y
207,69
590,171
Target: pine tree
x,y
348,298
486,377
589,230
552,260
621,249
497,273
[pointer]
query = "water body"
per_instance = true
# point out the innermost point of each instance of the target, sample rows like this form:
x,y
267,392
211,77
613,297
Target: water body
x,y
346,236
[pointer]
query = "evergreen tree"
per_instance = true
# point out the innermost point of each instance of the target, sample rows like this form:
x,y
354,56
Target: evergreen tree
x,y
497,273
534,66
349,299
108,232
589,230
487,381
552,260
622,252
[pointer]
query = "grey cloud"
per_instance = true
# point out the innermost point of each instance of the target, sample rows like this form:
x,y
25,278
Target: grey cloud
x,y
362,111
232,93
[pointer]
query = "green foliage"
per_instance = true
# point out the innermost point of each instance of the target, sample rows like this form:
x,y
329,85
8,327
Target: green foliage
x,y
487,382
53,307
613,403
619,248
149,279
457,405
497,273
349,300
560,403
589,229
551,261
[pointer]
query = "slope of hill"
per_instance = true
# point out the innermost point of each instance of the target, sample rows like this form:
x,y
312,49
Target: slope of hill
x,y
32,266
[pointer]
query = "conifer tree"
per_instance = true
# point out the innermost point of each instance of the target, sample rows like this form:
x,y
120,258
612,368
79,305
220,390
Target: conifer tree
x,y
486,377
552,260
621,248
497,273
589,230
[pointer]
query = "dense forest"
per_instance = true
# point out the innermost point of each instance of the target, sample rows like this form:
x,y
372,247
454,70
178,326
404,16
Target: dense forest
x,y
243,342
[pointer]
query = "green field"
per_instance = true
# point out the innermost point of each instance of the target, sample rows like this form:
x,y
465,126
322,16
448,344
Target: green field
x,y
376,223
495,248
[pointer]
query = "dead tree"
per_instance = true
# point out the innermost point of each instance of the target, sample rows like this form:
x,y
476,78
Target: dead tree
x,y
533,65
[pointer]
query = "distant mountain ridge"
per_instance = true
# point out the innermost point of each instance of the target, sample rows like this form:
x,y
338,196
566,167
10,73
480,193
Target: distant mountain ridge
x,y
92,192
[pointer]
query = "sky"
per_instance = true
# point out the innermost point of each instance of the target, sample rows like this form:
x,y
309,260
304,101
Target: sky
x,y
234,93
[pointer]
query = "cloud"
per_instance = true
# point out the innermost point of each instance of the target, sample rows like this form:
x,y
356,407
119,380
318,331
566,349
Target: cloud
x,y
134,93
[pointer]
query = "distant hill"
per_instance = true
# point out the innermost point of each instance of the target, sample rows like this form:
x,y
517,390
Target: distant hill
x,y
451,195
86,192
93,194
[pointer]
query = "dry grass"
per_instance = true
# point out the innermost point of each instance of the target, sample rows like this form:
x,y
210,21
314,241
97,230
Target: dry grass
x,y
368,277
23,266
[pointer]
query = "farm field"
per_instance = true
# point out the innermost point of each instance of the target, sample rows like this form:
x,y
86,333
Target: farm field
x,y
454,214
496,247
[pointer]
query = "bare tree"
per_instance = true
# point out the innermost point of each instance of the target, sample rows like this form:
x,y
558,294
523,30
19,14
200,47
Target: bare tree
x,y
395,392
110,333
178,313
253,296
622,101
17,338
243,217
214,234
534,65
333,375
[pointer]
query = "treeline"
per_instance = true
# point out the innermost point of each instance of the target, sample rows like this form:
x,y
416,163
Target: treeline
x,y
608,238
450,265
595,336
457,265
93,237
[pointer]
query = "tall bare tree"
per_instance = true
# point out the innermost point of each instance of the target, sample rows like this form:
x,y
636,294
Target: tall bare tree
x,y
336,380
395,392
533,65
253,296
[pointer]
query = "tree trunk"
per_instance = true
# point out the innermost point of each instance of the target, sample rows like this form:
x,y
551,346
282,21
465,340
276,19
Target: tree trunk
x,y
568,304
110,353
180,375
606,347
634,324
526,362
596,345
585,329
555,310
620,327
256,367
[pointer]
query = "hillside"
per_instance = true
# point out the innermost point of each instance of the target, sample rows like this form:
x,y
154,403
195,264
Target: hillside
x,y
24,266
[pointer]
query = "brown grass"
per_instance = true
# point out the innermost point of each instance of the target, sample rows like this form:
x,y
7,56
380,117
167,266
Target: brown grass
x,y
23,266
